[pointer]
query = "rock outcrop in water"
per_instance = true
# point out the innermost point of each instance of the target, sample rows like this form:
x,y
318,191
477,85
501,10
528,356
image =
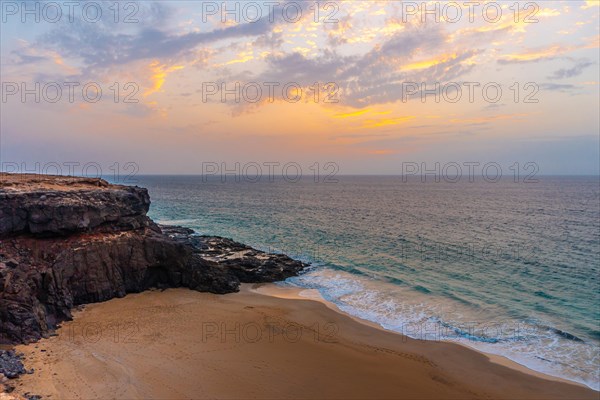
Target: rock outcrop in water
x,y
67,241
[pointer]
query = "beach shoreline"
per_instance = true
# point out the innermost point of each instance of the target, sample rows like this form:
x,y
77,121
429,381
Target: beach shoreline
x,y
180,343
291,292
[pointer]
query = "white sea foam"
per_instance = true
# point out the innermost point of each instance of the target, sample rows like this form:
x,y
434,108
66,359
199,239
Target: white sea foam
x,y
430,317
182,222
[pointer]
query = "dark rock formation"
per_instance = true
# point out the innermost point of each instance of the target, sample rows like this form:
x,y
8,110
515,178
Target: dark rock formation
x,y
240,263
67,205
70,241
11,365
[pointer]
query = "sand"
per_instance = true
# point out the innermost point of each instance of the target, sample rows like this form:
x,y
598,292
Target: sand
x,y
180,344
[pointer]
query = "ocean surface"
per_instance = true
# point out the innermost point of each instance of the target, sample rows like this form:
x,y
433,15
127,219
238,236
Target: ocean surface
x,y
507,268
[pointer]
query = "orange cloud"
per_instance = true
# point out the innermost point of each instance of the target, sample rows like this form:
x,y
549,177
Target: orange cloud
x,y
429,63
376,123
548,52
159,75
525,18
590,4
593,43
243,57
59,61
547,12
352,114
535,55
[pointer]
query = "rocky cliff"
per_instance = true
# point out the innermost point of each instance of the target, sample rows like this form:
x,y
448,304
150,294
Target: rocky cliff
x,y
66,241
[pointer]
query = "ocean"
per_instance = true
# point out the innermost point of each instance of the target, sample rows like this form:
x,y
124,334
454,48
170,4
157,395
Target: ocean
x,y
506,268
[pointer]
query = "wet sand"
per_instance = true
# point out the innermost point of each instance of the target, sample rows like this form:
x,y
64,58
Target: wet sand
x,y
180,344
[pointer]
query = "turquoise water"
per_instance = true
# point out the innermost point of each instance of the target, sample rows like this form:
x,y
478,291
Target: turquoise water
x,y
508,268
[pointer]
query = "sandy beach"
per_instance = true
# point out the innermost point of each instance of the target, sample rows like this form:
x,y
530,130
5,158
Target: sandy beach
x,y
180,344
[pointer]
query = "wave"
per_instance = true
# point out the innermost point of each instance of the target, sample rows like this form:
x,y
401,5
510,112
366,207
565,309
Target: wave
x,y
417,312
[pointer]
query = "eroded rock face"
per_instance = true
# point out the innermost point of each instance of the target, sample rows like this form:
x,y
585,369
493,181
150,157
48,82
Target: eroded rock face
x,y
71,241
42,205
218,259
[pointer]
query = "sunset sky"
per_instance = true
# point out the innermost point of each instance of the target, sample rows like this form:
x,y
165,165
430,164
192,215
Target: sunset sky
x,y
365,56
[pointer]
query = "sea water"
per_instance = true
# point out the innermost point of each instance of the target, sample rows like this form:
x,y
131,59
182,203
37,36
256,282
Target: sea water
x,y
509,268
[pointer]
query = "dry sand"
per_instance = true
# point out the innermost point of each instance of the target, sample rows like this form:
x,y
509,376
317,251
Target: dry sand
x,y
180,344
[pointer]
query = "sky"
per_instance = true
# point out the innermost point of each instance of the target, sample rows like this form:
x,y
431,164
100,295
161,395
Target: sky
x,y
362,87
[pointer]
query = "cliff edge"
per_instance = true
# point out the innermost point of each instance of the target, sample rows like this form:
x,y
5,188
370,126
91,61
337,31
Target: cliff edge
x,y
67,241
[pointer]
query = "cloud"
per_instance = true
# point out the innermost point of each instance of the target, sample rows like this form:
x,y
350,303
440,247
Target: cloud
x,y
590,4
27,59
105,44
377,76
572,72
159,73
377,123
556,87
107,49
374,71
140,52
351,114
429,63
534,55
547,53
